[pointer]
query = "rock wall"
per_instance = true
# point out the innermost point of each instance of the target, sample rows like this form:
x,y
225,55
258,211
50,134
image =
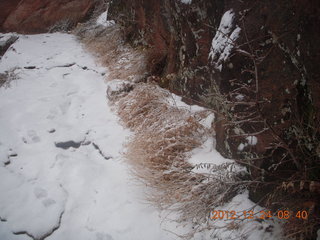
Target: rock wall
x,y
37,16
281,37
254,63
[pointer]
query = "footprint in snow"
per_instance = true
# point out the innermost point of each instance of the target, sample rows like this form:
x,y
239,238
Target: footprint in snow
x,y
40,193
59,159
103,236
53,85
65,107
52,114
31,137
48,202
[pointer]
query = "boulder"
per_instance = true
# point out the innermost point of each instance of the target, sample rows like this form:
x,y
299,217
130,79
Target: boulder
x,y
5,42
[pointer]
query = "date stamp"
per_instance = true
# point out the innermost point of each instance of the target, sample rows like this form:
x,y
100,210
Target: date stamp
x,y
281,214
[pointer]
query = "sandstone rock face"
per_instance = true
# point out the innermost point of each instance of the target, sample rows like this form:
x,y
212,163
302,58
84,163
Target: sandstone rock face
x,y
36,16
6,7
254,62
276,39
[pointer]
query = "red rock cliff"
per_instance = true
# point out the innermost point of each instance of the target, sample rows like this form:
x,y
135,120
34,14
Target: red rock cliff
x,y
256,64
36,16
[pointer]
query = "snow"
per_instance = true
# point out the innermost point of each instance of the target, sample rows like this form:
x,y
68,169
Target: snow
x,y
3,39
116,85
176,101
102,20
206,154
252,140
186,1
241,146
240,97
62,175
208,121
249,229
224,40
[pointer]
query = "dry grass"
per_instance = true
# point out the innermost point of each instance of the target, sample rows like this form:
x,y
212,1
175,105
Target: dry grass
x,y
163,136
123,61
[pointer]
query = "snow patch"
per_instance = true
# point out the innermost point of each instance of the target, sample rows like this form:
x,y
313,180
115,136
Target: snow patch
x,y
250,141
206,154
186,1
241,146
245,228
224,40
240,97
102,20
176,101
208,121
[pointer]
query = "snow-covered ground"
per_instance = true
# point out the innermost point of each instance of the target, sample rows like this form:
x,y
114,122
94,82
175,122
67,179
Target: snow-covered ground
x,y
61,172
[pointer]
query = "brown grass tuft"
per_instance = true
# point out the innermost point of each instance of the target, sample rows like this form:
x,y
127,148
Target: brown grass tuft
x,y
163,133
123,61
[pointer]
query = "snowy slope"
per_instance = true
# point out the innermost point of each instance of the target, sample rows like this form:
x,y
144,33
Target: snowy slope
x,y
61,172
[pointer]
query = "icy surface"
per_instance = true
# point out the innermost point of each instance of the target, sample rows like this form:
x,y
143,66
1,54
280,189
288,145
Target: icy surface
x,y
62,176
224,40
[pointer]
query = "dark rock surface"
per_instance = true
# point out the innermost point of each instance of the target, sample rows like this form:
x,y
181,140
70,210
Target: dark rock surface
x,y
6,7
282,37
266,92
6,43
36,16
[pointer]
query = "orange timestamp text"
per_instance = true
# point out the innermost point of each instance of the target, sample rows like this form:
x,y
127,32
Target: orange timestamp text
x,y
281,214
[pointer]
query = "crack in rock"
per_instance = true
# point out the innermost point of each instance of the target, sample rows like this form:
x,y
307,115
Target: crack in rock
x,y
48,234
90,69
30,67
6,163
68,144
52,130
62,66
72,64
100,152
